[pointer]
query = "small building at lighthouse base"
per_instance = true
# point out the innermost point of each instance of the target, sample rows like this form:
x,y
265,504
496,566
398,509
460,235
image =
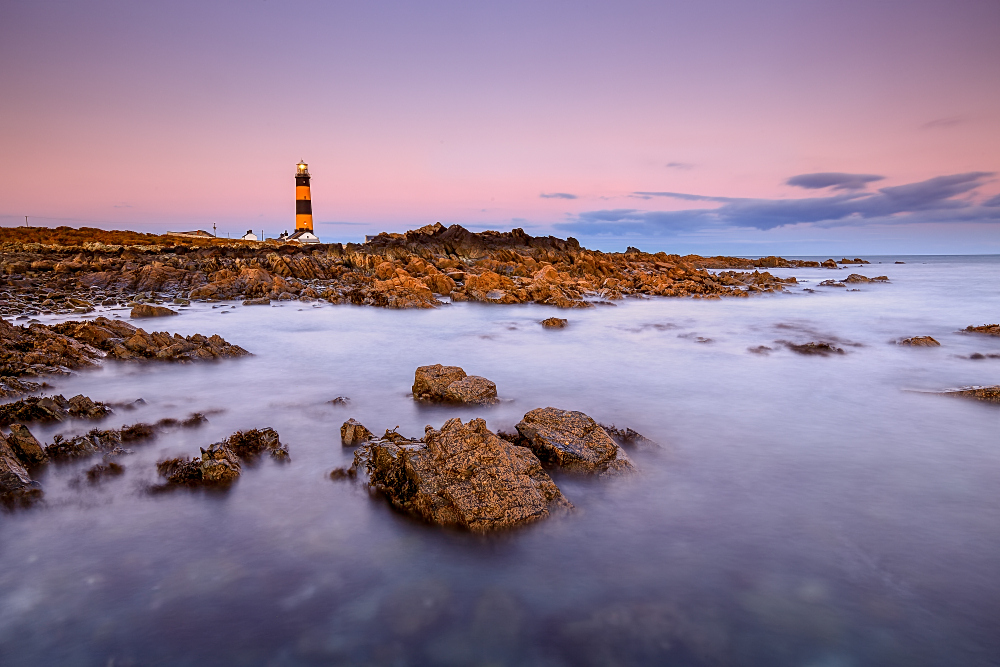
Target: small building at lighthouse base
x,y
303,236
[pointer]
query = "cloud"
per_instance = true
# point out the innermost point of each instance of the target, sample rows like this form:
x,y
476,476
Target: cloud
x,y
992,201
557,195
833,179
933,200
950,121
680,165
352,224
122,205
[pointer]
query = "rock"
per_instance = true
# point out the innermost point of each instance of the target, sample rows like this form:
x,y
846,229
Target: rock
x,y
263,301
463,476
857,278
353,433
572,440
13,477
822,349
988,329
627,437
920,341
10,386
219,463
988,394
101,470
554,323
829,264
472,390
27,448
146,310
832,283
51,408
340,400
108,441
431,382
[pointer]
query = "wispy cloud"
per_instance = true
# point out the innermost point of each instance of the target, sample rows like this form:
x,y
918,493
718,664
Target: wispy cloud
x,y
557,195
933,200
950,121
833,179
680,165
122,205
349,224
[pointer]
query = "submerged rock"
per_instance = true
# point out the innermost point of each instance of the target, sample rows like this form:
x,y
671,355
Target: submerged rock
x,y
988,329
106,469
821,348
572,440
988,394
147,310
354,433
627,437
462,475
554,323
920,341
11,386
220,462
451,384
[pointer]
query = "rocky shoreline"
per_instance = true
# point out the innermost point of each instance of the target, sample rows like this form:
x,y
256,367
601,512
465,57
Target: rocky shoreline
x,y
69,271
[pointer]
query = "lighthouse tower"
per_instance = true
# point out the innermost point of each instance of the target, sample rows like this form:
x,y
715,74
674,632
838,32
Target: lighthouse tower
x,y
303,207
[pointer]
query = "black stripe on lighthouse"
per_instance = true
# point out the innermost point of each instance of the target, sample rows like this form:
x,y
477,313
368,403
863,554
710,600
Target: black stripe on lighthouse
x,y
303,206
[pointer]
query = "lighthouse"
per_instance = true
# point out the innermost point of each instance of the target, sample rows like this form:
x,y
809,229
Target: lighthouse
x,y
303,207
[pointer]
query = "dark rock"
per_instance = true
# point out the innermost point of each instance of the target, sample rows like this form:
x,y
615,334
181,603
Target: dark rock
x,y
472,390
920,341
988,394
554,323
11,386
343,473
829,264
353,433
14,479
27,448
340,400
821,349
249,444
147,310
463,476
431,382
137,431
832,283
572,440
107,469
760,349
219,464
627,437
264,301
196,419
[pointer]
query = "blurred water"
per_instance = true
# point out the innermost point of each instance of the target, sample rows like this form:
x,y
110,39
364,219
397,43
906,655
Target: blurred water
x,y
801,510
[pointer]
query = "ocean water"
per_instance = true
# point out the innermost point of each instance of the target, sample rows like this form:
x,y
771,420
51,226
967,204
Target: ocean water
x,y
799,510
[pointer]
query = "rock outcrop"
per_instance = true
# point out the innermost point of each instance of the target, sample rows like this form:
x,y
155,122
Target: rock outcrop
x,y
463,476
220,462
451,384
64,271
554,323
40,349
988,394
820,349
27,448
988,329
52,408
920,341
572,440
97,441
16,485
858,278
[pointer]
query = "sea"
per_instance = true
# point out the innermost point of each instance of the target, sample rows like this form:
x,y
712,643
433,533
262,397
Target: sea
x,y
809,511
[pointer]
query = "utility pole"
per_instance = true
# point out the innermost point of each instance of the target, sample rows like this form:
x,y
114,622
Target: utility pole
x,y
213,230
25,221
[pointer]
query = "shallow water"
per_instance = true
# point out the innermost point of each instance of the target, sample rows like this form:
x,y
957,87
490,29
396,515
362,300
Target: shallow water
x,y
811,511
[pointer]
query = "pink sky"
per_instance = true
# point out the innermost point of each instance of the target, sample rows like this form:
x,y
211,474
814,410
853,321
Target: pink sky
x,y
177,115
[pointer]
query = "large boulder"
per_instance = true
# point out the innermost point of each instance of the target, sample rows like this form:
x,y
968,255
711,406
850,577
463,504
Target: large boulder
x,y
431,382
572,440
13,477
462,475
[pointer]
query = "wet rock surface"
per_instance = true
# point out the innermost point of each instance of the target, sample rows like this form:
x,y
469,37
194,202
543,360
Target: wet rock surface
x,y
988,394
27,448
471,390
462,475
52,408
554,323
572,440
97,441
16,486
63,270
920,341
220,463
627,437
